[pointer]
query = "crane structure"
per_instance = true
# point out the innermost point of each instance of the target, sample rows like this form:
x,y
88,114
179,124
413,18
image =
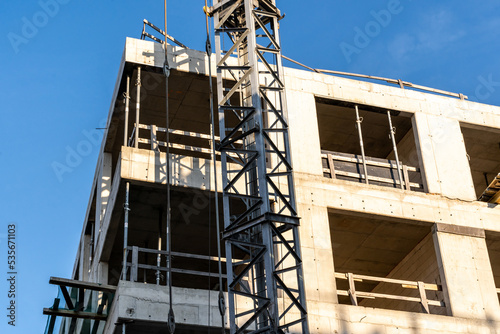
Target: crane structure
x,y
261,225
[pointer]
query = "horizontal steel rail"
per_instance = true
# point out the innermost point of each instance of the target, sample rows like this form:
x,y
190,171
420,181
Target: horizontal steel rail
x,y
332,157
134,264
416,285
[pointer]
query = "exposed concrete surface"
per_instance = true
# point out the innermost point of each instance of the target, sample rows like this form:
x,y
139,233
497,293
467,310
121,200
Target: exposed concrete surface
x,y
136,301
468,281
441,152
139,301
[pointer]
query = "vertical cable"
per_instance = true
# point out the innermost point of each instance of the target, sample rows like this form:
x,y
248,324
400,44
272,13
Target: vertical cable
x,y
166,71
222,303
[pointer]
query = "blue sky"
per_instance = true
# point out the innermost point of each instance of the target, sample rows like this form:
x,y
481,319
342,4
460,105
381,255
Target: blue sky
x,y
58,78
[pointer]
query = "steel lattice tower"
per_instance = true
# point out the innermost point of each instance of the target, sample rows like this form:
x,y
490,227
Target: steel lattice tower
x,y
264,267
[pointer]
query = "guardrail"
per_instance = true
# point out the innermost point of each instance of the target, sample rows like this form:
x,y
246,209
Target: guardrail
x,y
134,265
185,142
155,143
420,286
380,171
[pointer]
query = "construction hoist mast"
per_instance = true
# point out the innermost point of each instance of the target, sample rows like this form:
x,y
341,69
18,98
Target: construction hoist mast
x,y
264,269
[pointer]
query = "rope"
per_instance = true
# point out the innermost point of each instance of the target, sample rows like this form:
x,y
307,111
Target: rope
x,y
166,71
222,308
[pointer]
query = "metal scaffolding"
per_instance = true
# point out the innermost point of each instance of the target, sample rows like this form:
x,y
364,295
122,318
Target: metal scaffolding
x,y
264,266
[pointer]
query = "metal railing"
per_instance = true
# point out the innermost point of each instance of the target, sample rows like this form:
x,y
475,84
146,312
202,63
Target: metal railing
x,y
133,266
188,143
155,144
402,84
415,285
145,34
381,172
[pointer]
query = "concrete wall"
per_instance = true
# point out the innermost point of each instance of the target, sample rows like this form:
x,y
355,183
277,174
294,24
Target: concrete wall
x,y
464,265
444,157
353,320
440,145
137,301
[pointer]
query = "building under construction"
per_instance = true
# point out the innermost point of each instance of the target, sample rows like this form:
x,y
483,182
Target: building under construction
x,y
197,222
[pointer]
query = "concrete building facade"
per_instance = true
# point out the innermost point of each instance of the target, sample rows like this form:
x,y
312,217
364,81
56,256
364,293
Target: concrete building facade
x,y
387,247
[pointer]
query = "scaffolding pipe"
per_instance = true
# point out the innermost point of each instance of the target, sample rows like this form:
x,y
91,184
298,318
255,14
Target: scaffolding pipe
x,y
146,259
126,208
359,120
392,131
127,107
158,257
92,232
137,108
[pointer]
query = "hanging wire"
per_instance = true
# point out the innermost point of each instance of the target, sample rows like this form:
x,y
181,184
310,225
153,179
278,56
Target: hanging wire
x,y
209,253
205,9
222,303
166,71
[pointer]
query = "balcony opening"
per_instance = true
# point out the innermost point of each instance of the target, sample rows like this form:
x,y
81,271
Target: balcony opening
x,y
194,244
189,113
483,150
340,129
493,245
385,264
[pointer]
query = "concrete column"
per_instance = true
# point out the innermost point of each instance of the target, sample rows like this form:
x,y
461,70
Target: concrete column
x,y
99,274
441,145
103,190
304,134
84,262
102,273
84,258
466,274
317,259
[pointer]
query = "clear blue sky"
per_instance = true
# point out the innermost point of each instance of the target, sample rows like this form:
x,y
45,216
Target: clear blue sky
x,y
57,80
